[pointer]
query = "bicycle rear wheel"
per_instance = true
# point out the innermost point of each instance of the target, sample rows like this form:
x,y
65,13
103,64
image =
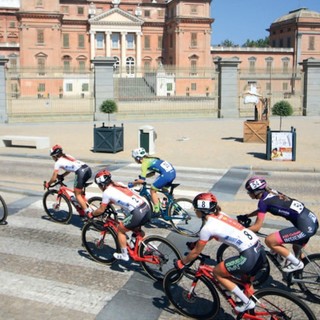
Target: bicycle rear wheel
x,y
57,206
202,302
161,250
3,211
224,251
100,242
274,303
310,275
183,217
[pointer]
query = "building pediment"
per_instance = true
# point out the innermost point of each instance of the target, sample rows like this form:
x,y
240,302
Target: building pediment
x,y
115,16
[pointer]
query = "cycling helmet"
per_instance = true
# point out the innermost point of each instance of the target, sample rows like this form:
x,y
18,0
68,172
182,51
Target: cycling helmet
x,y
205,202
56,150
256,185
139,153
103,178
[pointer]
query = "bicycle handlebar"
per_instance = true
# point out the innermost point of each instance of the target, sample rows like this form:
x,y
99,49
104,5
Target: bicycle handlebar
x,y
54,184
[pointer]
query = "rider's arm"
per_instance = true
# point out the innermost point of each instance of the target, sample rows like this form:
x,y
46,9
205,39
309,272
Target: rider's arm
x,y
53,177
258,223
193,254
100,210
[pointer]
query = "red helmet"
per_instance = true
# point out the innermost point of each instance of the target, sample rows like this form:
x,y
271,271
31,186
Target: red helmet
x,y
103,178
256,185
205,202
56,150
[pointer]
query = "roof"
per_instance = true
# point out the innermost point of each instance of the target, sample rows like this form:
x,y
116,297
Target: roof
x,y
298,13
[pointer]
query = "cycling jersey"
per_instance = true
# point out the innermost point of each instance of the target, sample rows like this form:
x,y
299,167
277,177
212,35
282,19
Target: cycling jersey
x,y
68,163
166,171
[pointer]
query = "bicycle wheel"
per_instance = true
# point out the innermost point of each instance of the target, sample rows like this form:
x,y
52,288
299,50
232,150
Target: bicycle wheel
x,y
100,242
95,202
57,206
310,275
163,254
224,251
199,302
183,217
273,303
3,211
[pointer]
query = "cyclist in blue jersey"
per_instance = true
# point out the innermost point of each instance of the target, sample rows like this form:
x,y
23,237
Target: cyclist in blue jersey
x,y
305,222
150,165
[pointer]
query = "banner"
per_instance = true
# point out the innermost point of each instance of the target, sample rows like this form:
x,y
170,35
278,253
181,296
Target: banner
x,y
281,146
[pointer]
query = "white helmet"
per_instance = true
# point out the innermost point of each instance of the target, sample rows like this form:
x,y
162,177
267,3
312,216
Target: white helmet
x,y
139,153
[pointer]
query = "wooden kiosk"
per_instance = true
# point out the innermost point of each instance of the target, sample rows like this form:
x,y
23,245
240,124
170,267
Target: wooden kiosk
x,y
256,130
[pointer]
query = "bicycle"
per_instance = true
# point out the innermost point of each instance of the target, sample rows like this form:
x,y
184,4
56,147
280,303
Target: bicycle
x,y
195,294
179,212
155,254
308,279
3,211
58,203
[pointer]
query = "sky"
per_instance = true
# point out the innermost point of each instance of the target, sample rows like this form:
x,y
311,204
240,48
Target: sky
x,y
239,20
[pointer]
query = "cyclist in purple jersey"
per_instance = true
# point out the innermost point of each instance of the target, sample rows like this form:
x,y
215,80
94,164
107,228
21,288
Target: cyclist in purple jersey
x,y
305,222
149,166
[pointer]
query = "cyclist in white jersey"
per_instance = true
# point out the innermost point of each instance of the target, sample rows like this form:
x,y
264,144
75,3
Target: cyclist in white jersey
x,y
122,196
69,164
222,228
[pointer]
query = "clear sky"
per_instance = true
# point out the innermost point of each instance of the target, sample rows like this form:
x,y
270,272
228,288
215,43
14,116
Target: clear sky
x,y
239,20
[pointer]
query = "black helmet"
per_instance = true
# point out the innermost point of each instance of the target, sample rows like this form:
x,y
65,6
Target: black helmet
x,y
205,202
56,150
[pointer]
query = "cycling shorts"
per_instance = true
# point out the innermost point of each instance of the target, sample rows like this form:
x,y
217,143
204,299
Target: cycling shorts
x,y
137,217
82,175
164,180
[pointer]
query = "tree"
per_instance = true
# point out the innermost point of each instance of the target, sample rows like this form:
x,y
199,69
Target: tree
x,y
109,106
227,43
283,109
260,43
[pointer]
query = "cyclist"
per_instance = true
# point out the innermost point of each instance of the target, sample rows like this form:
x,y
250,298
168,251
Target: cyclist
x,y
305,223
122,196
150,165
221,227
69,164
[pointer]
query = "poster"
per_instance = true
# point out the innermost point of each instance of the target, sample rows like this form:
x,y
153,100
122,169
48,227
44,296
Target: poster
x,y
281,146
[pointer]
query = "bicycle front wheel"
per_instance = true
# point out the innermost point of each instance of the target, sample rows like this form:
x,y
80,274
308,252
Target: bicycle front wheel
x,y
273,303
57,206
200,301
100,242
183,217
162,254
3,211
94,203
225,251
310,276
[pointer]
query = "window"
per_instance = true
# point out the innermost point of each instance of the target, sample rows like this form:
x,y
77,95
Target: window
x,y
268,86
285,65
311,43
99,39
82,65
12,24
39,3
65,38
41,87
281,43
147,13
160,13
115,40
85,87
41,63
13,63
40,36
193,86
116,65
285,86
160,39
269,65
147,42
288,42
252,65
169,86
65,9
69,87
66,65
194,41
130,41
80,40
80,10
193,67
147,66
193,9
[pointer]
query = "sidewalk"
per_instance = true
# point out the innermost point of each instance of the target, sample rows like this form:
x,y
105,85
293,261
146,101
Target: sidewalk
x,y
214,143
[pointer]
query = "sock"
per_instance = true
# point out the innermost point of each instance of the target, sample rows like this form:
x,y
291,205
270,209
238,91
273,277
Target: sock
x,y
292,258
239,293
156,207
124,251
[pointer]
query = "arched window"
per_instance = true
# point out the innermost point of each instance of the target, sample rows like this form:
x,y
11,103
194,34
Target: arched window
x,y
130,64
66,60
41,63
116,65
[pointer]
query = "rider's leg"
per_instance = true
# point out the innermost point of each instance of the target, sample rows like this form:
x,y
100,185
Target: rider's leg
x,y
123,244
155,200
77,193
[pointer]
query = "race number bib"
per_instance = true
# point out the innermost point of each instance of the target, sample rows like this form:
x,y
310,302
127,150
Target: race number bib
x,y
297,206
166,166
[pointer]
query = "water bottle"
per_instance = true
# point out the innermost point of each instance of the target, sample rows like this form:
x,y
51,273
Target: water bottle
x,y
75,201
132,241
164,203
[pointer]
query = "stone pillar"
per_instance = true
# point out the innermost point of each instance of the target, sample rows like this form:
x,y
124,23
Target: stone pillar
x,y
3,97
108,44
138,43
228,91
311,87
103,82
92,44
123,51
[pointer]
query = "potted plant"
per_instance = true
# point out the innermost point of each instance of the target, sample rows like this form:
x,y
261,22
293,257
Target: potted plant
x,y
283,109
108,138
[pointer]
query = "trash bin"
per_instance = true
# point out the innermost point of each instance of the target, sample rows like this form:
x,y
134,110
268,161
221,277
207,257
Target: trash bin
x,y
146,139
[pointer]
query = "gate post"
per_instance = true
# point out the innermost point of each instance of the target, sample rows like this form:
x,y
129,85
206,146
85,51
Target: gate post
x,y
3,87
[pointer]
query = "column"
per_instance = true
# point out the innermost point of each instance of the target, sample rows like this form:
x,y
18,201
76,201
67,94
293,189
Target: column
x,y
123,51
92,44
138,50
3,97
108,44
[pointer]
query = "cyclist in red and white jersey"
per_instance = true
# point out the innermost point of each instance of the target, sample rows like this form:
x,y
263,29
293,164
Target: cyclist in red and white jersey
x,y
69,164
121,195
305,222
221,227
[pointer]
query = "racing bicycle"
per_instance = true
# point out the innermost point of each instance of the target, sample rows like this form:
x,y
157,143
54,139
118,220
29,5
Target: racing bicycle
x,y
154,253
3,211
308,279
179,212
195,294
58,203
